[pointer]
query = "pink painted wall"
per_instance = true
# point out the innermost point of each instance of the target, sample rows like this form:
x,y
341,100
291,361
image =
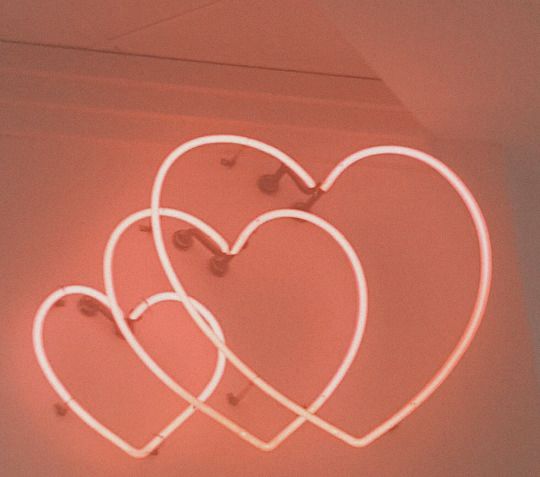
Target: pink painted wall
x,y
286,306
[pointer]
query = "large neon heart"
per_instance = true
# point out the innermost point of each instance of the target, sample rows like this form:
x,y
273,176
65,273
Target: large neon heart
x,y
222,244
79,410
308,181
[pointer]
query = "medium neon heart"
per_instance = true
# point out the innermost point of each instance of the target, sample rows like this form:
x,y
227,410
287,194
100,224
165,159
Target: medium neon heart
x,y
302,176
223,246
79,410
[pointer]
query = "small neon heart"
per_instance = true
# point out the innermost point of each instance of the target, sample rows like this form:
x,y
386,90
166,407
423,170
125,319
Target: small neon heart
x,y
79,410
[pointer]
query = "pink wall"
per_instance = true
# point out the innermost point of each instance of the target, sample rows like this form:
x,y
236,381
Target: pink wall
x,y
286,305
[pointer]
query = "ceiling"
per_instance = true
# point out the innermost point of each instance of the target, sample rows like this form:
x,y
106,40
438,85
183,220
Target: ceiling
x,y
231,31
465,70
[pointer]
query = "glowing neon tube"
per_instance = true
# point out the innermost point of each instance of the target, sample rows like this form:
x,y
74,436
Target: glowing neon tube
x,y
352,350
304,414
78,409
454,357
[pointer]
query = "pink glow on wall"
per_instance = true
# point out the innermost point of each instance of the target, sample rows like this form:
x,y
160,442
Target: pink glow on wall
x,y
208,325
70,401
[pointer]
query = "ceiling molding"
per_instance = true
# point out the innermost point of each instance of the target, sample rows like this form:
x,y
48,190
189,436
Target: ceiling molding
x,y
91,93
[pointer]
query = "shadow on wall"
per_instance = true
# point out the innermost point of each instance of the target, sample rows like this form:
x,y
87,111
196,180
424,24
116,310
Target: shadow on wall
x,y
523,178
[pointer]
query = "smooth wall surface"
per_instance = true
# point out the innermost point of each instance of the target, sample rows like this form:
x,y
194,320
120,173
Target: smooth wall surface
x,y
287,304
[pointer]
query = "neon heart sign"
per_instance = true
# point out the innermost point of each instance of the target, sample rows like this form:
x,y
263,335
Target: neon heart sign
x,y
79,410
205,322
